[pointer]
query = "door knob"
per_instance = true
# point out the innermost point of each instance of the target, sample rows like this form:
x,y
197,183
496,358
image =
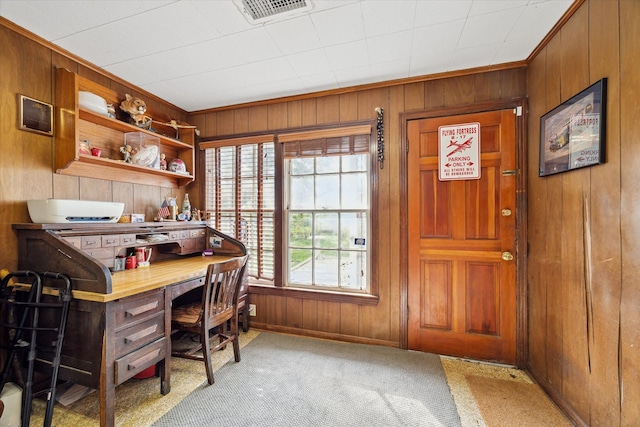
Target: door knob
x,y
506,212
507,256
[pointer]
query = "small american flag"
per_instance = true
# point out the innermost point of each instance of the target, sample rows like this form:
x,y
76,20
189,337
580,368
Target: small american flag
x,y
163,212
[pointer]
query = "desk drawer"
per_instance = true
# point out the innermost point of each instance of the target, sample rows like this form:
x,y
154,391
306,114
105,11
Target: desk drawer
x,y
184,287
127,239
139,334
110,240
90,242
139,307
136,362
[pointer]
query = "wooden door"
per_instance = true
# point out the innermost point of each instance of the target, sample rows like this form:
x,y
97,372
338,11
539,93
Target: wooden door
x,y
461,284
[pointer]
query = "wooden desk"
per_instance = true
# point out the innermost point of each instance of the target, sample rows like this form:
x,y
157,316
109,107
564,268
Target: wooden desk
x,y
120,323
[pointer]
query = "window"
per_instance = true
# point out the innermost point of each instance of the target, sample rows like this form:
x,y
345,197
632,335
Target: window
x,y
327,215
301,203
240,200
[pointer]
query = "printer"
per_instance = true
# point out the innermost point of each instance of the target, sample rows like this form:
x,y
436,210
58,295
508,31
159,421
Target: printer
x,y
59,211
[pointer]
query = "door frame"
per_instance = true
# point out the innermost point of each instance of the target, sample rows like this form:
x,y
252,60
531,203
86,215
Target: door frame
x,y
522,348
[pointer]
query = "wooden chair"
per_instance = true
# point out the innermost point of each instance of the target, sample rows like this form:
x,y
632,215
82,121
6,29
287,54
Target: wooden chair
x,y
218,305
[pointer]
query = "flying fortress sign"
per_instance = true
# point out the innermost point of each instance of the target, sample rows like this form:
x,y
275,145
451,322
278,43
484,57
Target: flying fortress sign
x,y
459,151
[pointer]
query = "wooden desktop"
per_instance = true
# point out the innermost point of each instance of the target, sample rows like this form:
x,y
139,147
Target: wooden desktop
x,y
120,322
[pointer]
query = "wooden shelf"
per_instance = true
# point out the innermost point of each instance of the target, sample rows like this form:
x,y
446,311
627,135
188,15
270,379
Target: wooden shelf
x,y
124,127
75,124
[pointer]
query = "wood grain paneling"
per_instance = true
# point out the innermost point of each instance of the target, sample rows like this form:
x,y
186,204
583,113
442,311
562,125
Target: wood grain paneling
x,y
604,272
583,288
630,222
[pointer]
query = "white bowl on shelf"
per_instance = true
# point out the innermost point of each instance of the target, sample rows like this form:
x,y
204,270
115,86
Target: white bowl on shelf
x,y
92,102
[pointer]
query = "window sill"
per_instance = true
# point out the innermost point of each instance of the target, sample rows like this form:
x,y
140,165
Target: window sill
x,y
318,295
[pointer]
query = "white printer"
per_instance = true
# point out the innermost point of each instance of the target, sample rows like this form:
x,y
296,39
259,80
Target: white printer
x,y
59,211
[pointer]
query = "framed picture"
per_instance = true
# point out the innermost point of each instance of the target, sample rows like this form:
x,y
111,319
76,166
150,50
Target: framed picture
x,y
35,116
572,135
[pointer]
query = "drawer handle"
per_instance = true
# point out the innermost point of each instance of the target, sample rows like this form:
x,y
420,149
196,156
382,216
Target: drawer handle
x,y
141,334
91,242
142,309
110,242
138,363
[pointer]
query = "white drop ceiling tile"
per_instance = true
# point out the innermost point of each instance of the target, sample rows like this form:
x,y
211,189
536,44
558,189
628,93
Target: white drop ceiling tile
x,y
430,64
318,82
386,17
509,52
268,71
173,25
100,45
310,63
240,48
223,15
434,12
489,29
354,76
294,35
485,7
340,25
39,21
532,26
472,57
389,47
321,5
436,39
348,55
392,70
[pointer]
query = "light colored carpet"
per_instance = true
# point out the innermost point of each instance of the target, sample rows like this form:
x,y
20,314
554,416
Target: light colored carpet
x,y
286,380
138,401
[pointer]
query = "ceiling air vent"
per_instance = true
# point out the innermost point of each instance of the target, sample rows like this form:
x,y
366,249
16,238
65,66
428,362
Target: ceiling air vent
x,y
258,11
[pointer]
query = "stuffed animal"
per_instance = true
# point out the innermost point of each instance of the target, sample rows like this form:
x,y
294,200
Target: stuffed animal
x,y
136,108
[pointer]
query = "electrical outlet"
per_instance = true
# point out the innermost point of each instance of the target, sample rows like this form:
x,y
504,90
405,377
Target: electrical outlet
x,y
252,309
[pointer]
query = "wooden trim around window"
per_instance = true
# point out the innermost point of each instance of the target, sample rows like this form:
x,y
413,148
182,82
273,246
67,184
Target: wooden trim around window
x,y
254,139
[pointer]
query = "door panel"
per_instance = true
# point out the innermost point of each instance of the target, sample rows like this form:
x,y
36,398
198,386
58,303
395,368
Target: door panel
x,y
461,291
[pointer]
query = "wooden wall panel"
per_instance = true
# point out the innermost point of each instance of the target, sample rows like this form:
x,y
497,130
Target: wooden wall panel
x,y
630,219
295,312
536,227
25,163
575,188
487,85
580,230
553,211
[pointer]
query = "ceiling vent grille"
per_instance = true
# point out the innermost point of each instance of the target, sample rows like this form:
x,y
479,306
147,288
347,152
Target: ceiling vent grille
x,y
266,10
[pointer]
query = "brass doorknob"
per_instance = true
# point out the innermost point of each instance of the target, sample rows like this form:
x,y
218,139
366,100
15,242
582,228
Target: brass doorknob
x,y
507,256
506,212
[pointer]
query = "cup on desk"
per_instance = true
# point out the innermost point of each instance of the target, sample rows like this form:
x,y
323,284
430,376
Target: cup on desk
x,y
130,262
119,263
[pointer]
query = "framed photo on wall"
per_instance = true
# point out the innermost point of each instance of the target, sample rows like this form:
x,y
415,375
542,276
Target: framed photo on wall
x,y
572,135
35,116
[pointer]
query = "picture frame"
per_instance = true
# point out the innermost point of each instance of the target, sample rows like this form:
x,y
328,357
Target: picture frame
x,y
573,134
35,116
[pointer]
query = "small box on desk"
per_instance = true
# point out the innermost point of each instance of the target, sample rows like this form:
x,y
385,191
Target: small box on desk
x,y
146,149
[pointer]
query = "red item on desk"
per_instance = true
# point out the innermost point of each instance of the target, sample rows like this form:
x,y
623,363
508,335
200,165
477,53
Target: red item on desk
x,y
130,263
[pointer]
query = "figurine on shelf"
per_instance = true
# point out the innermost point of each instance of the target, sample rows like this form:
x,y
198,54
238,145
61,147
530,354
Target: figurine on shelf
x,y
84,147
163,162
127,150
136,108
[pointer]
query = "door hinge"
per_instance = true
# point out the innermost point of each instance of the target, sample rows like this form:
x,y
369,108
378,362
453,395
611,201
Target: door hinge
x,y
518,111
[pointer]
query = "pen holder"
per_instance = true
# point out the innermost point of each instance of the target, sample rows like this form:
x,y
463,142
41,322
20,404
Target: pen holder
x,y
130,263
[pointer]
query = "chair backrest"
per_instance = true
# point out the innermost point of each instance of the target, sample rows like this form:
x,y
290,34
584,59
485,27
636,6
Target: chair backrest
x,y
221,289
